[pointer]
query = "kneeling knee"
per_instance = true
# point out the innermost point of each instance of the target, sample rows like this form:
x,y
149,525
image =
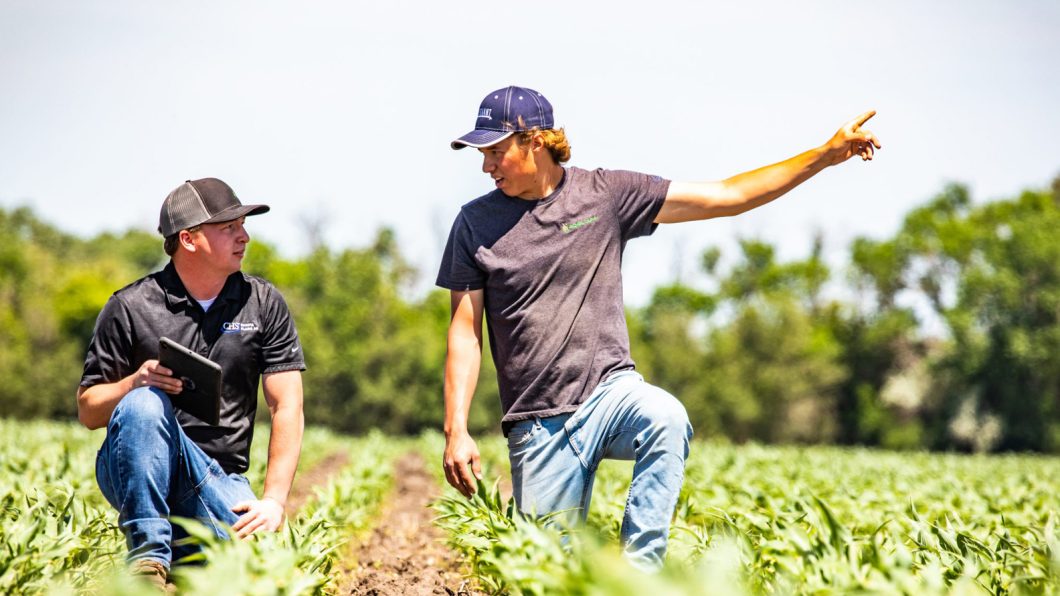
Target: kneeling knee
x,y
671,414
145,405
670,420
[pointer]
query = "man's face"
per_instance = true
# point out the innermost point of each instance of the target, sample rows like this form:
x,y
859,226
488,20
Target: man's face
x,y
222,245
511,166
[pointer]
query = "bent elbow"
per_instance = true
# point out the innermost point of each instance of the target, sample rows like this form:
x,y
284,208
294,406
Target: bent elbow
x,y
85,420
85,415
88,420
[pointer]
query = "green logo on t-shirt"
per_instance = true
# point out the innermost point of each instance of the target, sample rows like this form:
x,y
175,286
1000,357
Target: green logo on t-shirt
x,y
581,223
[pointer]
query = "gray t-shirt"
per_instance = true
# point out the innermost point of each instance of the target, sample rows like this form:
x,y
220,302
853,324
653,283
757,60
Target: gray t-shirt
x,y
552,274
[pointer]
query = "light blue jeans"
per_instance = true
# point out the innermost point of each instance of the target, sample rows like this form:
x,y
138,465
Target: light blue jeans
x,y
148,469
554,460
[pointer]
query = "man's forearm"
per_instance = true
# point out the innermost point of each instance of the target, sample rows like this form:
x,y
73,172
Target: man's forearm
x,y
461,377
760,186
692,201
462,360
95,404
285,446
461,460
462,364
748,190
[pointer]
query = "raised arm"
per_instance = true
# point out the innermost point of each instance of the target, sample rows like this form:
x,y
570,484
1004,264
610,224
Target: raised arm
x,y
283,394
691,201
462,361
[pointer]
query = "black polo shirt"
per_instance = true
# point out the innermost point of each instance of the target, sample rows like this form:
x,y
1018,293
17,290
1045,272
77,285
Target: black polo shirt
x,y
248,331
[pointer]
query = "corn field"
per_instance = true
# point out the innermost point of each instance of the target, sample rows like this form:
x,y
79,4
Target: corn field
x,y
750,520
58,534
769,520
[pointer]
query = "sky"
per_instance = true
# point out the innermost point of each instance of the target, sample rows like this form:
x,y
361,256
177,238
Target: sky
x,y
339,114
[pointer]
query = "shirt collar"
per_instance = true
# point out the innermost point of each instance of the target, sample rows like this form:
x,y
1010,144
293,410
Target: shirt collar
x,y
177,294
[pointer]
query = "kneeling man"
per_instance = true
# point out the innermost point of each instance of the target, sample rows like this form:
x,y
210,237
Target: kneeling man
x,y
158,460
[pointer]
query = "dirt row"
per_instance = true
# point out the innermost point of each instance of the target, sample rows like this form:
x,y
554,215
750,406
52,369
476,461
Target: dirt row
x,y
405,553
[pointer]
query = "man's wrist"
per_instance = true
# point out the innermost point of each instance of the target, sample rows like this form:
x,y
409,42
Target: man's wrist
x,y
455,427
451,432
827,155
280,502
126,385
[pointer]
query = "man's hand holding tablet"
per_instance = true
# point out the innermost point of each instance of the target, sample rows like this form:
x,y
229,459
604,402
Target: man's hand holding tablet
x,y
201,378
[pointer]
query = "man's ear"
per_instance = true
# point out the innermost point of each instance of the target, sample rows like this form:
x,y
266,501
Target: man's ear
x,y
537,142
185,239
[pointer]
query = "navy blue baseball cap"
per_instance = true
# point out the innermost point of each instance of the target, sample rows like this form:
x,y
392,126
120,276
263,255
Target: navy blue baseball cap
x,y
504,112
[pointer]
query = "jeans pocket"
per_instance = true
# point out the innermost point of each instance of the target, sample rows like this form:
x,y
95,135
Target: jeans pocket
x,y
198,484
520,437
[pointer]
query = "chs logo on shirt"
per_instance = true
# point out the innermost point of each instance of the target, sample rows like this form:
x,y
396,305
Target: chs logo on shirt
x,y
234,327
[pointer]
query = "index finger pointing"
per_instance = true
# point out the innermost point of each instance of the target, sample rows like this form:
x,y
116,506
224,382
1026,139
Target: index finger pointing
x,y
862,119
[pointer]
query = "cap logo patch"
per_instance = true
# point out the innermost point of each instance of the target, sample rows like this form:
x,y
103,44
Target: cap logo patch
x,y
485,113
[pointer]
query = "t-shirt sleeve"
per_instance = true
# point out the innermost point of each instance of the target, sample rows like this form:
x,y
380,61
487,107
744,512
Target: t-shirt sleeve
x,y
280,347
459,270
638,199
107,360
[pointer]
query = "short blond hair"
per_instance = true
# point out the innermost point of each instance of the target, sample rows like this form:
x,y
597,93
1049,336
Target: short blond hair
x,y
555,141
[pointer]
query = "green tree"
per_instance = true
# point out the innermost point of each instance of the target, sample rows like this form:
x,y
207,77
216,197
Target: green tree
x,y
751,360
1005,317
375,359
991,275
52,286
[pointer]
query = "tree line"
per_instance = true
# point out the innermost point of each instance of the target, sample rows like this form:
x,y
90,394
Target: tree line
x,y
944,336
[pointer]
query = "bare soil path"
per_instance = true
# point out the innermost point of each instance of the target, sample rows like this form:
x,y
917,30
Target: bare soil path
x,y
405,553
318,475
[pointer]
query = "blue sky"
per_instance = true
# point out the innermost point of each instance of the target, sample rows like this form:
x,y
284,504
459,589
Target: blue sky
x,y
340,113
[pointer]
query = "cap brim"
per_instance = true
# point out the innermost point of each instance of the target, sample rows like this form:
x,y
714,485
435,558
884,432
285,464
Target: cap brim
x,y
481,138
237,211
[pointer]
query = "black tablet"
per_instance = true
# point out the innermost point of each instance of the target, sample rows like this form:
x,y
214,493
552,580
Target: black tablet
x,y
201,395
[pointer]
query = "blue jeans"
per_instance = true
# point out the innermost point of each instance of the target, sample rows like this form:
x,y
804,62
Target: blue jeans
x,y
554,460
148,469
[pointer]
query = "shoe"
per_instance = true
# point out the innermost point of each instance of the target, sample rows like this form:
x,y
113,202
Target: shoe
x,y
152,571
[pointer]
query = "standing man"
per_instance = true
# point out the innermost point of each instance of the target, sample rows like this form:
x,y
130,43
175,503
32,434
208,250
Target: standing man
x,y
540,256
158,460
